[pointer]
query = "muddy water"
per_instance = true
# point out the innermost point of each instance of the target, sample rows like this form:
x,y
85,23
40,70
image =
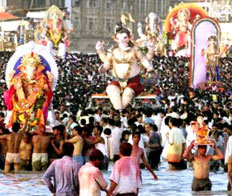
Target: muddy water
x,y
170,183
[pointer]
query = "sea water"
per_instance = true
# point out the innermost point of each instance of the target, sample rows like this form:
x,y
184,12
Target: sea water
x,y
171,183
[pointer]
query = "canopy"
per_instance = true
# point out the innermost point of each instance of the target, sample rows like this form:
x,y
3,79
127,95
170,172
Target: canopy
x,y
12,25
36,14
6,16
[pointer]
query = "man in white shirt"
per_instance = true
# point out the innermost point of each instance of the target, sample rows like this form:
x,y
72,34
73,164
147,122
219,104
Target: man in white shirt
x,y
176,142
139,119
116,136
98,115
125,176
91,180
108,143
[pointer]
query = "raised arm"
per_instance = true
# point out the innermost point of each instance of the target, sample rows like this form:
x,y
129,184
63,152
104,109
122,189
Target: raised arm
x,y
187,153
143,60
72,140
100,50
90,142
105,58
218,155
150,52
230,172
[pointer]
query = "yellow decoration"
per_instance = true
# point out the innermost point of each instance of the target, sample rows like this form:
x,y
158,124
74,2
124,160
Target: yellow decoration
x,y
22,118
55,40
34,122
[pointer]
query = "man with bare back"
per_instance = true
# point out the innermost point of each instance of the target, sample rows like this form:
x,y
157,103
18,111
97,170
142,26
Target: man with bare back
x,y
25,150
40,156
201,165
13,143
78,143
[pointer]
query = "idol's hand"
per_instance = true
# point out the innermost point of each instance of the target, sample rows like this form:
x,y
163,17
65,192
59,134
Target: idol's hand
x,y
100,46
50,76
12,74
150,45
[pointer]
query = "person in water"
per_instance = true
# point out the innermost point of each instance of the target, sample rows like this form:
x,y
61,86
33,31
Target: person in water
x,y
201,165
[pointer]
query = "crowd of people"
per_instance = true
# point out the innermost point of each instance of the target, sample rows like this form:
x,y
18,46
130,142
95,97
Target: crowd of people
x,y
101,134
80,76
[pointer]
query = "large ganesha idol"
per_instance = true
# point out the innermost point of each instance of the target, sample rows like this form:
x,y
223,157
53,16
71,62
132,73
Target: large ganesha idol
x,y
31,75
178,26
150,42
53,33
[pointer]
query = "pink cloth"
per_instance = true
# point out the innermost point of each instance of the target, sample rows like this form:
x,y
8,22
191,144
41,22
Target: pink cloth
x,y
8,97
136,155
126,174
91,180
65,174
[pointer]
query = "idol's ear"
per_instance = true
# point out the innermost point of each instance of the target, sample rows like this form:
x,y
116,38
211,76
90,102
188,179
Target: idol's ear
x,y
147,19
115,38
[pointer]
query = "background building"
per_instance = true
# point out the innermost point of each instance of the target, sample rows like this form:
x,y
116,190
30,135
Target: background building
x,y
95,19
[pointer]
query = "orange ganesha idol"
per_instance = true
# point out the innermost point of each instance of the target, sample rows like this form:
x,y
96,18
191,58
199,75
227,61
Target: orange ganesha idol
x,y
202,131
30,91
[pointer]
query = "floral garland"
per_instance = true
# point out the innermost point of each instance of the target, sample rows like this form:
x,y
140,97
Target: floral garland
x,y
55,40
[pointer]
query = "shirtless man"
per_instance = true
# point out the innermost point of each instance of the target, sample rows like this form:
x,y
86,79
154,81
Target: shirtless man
x,y
3,147
77,142
56,143
40,156
230,174
13,142
201,165
25,150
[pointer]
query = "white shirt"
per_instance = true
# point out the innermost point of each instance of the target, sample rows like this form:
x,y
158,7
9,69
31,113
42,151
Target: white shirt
x,y
90,180
102,148
176,136
228,149
163,132
97,117
116,136
191,135
126,175
108,146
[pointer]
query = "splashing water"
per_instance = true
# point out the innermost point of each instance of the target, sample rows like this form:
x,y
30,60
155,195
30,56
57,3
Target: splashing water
x,y
173,183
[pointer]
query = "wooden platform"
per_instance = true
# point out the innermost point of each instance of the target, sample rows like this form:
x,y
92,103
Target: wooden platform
x,y
104,96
